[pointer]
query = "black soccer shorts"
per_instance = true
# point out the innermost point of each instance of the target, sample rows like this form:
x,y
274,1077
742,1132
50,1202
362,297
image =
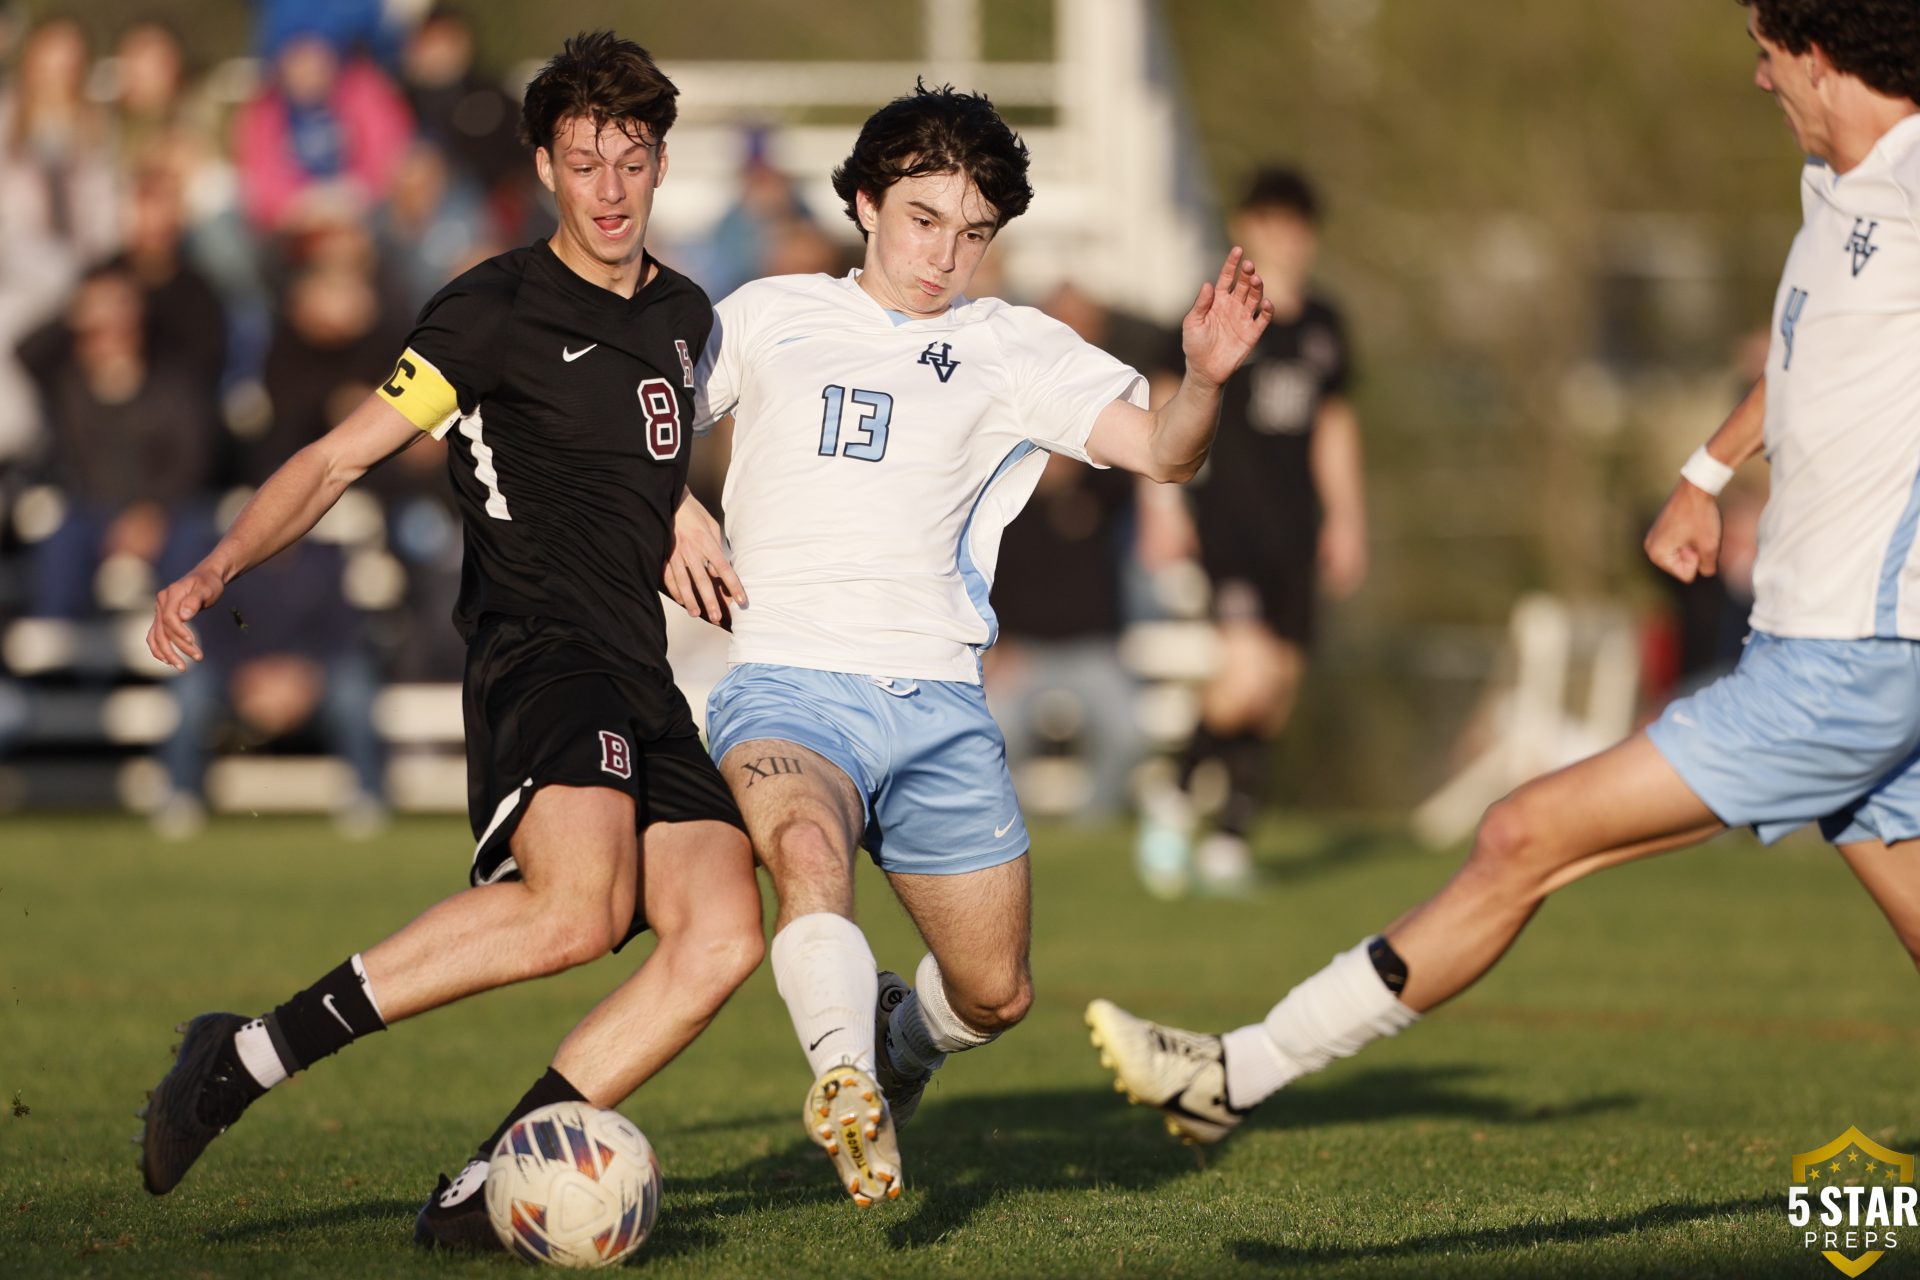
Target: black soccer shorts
x,y
546,705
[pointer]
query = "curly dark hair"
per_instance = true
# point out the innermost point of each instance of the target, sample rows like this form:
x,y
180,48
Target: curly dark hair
x,y
938,131
1282,189
603,78
1875,40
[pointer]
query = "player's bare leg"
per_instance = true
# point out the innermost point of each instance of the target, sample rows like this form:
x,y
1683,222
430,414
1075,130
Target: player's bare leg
x,y
805,818
1257,682
578,854
974,982
1625,803
702,902
578,858
1891,873
1243,709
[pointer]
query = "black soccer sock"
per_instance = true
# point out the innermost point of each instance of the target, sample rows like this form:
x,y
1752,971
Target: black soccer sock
x,y
325,1018
547,1090
1203,746
1246,758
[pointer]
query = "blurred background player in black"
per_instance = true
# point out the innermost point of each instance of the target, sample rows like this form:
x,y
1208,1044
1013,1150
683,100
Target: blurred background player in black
x,y
1278,515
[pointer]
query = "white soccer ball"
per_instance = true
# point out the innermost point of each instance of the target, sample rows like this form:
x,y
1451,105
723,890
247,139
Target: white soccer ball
x,y
573,1185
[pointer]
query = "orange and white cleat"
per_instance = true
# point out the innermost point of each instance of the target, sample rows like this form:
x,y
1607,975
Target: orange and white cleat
x,y
847,1116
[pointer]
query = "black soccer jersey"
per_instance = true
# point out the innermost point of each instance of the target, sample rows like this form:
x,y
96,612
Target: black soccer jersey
x,y
567,409
1258,479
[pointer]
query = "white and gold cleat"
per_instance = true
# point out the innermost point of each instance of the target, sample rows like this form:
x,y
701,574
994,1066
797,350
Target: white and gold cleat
x,y
1183,1073
846,1116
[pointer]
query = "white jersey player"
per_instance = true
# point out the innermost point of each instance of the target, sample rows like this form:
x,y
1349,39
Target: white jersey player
x,y
1820,722
887,428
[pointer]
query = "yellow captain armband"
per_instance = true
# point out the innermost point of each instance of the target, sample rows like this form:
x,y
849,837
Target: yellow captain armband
x,y
422,395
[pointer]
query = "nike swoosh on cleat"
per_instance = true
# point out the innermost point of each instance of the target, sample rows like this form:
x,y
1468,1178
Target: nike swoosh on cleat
x,y
822,1040
326,1001
571,356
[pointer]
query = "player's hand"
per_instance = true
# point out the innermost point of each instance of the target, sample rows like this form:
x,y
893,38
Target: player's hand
x,y
1227,318
1685,538
170,639
1343,557
699,576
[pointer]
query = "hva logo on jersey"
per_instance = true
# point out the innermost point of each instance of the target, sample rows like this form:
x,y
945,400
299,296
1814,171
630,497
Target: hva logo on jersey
x,y
1860,244
940,356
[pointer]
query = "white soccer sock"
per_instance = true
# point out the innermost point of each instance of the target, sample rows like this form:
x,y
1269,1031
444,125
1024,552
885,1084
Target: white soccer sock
x,y
1333,1014
257,1054
825,972
924,1029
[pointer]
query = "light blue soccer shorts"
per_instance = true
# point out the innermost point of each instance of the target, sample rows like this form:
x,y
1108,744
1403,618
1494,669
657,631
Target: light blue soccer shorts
x,y
927,759
1803,731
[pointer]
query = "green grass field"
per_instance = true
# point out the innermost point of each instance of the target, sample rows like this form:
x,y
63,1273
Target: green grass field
x,y
1621,1098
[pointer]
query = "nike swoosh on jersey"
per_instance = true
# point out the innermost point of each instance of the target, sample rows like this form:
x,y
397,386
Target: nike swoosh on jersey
x,y
571,356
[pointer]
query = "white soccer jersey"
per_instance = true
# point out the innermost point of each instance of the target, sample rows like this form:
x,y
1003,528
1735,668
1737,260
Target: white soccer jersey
x,y
1837,556
875,465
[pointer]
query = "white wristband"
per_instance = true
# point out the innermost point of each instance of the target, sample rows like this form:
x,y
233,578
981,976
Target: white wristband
x,y
1706,472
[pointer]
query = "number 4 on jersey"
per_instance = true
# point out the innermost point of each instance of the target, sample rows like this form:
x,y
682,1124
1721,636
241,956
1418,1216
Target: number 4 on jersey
x,y
872,411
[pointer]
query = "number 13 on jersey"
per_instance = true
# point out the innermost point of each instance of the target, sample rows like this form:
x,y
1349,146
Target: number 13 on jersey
x,y
869,411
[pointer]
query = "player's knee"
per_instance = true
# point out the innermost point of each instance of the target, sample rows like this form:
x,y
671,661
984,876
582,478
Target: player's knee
x,y
995,1007
803,850
725,958
1508,842
575,936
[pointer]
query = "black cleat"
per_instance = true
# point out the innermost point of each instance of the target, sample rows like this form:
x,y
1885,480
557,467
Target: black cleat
x,y
197,1101
455,1215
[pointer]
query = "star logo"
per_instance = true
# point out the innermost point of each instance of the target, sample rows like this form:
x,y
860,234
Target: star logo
x,y
1852,1213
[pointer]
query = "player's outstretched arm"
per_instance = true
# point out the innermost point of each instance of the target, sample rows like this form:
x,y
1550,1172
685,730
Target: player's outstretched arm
x,y
1685,538
1218,333
291,501
699,564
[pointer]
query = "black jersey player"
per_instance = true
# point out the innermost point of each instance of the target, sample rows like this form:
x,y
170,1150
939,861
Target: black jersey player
x,y
1279,515
561,374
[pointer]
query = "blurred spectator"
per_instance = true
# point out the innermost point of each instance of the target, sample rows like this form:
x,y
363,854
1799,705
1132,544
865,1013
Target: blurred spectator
x,y
1279,511
760,220
473,122
434,225
331,346
149,92
349,26
1055,679
324,138
132,446
186,320
284,649
57,202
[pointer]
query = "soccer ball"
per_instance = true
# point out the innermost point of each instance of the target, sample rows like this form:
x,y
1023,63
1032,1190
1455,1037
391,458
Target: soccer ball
x,y
573,1185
